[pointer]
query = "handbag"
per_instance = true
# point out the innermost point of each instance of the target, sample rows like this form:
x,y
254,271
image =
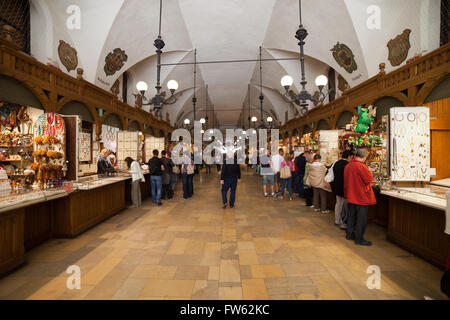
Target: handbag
x,y
176,170
330,175
285,172
190,169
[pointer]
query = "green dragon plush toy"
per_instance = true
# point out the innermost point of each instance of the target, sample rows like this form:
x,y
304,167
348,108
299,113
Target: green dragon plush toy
x,y
366,118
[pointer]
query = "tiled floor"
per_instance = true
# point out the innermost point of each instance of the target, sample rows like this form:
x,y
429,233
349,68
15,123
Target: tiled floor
x,y
193,249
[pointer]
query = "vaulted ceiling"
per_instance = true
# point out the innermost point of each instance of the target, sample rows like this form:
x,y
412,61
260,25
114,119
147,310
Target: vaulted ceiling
x,y
229,30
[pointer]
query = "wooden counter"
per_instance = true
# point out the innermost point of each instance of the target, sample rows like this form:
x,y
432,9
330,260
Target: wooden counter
x,y
83,209
419,229
23,227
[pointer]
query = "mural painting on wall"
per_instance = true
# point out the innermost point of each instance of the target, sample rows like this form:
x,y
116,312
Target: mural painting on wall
x,y
342,83
67,55
115,89
399,48
344,57
114,61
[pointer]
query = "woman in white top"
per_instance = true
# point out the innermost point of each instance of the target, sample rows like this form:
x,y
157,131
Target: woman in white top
x,y
137,177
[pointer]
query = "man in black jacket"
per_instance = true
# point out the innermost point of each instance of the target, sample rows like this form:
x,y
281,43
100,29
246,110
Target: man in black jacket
x,y
300,162
337,186
230,176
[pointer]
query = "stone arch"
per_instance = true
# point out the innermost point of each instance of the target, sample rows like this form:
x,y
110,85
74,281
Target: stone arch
x,y
133,126
295,133
307,129
161,134
323,124
344,118
438,90
21,92
113,120
150,131
383,105
78,108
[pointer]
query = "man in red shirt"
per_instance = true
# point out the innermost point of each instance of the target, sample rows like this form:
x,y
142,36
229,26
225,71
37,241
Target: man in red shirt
x,y
359,195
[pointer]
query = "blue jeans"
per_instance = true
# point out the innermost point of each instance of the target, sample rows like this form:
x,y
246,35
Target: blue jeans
x,y
300,185
156,183
229,184
188,185
283,186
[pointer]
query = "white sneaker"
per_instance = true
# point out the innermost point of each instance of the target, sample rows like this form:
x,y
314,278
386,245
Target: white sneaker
x,y
316,210
266,194
274,195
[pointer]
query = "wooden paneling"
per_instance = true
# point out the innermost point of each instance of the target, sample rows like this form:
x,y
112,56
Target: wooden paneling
x,y
37,224
12,248
84,209
419,229
440,137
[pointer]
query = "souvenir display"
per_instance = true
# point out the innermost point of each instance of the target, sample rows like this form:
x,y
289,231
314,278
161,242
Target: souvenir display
x,y
127,146
152,143
329,146
410,143
85,147
49,155
310,141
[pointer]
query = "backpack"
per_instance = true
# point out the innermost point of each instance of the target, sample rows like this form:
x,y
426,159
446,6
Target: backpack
x,y
285,172
330,174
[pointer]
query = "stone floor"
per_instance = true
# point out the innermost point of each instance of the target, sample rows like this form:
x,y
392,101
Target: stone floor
x,y
193,249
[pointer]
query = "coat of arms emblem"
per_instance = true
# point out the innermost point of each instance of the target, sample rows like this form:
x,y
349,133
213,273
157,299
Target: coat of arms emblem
x,y
344,57
114,61
67,55
399,48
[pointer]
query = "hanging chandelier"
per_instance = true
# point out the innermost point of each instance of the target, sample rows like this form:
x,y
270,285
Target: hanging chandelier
x,y
159,100
287,81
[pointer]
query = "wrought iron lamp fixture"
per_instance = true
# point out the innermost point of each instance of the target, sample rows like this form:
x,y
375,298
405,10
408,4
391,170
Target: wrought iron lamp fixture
x,y
159,100
287,81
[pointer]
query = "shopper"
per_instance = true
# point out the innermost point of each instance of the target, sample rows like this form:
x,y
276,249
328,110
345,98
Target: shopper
x,y
230,176
300,163
103,165
337,186
187,174
316,179
307,188
136,178
156,168
277,160
174,177
287,168
166,176
267,172
359,195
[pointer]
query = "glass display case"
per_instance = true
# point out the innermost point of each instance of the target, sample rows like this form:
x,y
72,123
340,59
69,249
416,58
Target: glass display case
x,y
430,196
97,181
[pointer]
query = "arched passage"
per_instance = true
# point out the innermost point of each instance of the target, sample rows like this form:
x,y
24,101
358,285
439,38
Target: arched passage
x,y
134,126
439,92
307,129
344,119
14,91
113,120
385,103
323,125
76,108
